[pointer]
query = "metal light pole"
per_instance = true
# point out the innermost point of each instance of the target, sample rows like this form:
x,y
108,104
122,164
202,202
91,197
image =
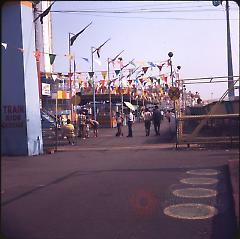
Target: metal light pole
x,y
94,96
110,97
93,49
170,54
70,70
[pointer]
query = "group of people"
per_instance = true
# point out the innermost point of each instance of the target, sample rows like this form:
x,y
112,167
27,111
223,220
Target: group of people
x,y
148,117
156,117
84,124
120,119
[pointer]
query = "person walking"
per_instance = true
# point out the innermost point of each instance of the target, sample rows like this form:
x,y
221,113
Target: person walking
x,y
147,117
68,132
95,125
157,117
119,120
129,117
82,125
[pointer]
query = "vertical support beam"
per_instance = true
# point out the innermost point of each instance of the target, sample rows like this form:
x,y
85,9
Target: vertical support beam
x,y
229,56
20,119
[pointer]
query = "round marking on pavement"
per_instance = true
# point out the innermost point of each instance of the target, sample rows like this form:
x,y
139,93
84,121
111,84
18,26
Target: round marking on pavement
x,y
199,180
195,193
203,172
191,211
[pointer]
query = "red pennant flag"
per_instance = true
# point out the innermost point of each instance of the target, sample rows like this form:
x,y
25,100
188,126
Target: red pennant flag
x,y
163,77
37,55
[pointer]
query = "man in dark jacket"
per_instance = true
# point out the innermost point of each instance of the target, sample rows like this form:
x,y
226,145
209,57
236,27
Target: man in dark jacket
x,y
156,117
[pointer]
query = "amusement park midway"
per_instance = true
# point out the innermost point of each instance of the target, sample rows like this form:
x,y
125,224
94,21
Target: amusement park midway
x,y
195,31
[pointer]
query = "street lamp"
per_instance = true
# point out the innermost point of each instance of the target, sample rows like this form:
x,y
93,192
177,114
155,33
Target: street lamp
x,y
93,49
110,97
70,69
170,54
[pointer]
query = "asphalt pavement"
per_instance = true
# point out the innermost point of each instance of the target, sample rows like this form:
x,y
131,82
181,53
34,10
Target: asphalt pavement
x,y
120,188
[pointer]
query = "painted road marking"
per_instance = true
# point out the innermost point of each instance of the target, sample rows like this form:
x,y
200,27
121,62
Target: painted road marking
x,y
206,172
191,211
204,181
195,193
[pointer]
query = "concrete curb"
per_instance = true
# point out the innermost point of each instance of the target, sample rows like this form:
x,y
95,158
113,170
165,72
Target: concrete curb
x,y
233,166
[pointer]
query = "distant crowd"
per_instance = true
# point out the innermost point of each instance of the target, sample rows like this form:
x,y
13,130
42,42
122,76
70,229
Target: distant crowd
x,y
85,124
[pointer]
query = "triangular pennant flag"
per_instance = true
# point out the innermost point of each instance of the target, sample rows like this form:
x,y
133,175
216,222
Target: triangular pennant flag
x,y
52,58
4,45
145,68
160,66
54,77
104,73
91,74
85,59
117,72
151,64
75,36
163,77
37,55
70,74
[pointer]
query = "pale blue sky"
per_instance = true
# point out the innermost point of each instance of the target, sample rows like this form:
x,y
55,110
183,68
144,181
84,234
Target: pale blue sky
x,y
147,31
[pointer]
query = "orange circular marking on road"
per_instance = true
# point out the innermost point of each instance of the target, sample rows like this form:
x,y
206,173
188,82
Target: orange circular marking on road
x,y
143,202
190,211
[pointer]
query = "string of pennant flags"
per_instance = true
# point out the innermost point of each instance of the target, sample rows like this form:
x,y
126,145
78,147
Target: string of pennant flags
x,y
122,80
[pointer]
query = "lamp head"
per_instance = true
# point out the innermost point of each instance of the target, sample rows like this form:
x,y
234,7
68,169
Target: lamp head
x,y
178,67
170,54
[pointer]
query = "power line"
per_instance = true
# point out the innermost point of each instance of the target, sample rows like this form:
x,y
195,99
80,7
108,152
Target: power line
x,y
160,18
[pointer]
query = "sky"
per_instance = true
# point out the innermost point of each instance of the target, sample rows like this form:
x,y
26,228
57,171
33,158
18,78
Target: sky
x,y
194,31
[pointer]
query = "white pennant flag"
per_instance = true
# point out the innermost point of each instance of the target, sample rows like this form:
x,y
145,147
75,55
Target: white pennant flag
x,y
54,77
4,45
98,62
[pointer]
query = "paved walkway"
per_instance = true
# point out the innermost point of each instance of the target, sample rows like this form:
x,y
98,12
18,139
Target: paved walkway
x,y
118,187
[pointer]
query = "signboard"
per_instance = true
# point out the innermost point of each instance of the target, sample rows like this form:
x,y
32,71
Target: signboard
x,y
46,89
